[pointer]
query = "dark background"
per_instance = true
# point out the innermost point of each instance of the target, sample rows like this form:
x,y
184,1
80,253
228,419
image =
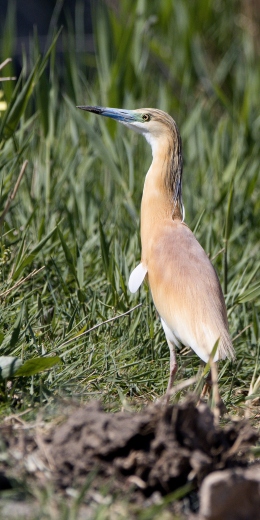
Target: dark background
x,y
44,16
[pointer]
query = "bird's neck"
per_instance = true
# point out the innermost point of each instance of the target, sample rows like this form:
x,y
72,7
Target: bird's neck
x,y
162,198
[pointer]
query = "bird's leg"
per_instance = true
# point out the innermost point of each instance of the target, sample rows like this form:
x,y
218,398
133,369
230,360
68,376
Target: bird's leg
x,y
207,387
173,368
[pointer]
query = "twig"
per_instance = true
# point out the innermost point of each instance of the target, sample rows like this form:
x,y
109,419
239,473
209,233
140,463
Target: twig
x,y
99,325
13,194
21,281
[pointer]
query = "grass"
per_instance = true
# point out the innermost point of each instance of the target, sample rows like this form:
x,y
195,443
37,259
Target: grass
x,y
70,237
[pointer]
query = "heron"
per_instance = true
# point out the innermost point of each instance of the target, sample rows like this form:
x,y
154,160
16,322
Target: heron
x,y
183,282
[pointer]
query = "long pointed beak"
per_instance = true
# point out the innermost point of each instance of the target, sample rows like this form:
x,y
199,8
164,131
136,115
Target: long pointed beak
x,y
124,116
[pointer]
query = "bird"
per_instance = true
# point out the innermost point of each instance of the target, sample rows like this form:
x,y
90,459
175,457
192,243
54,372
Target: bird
x,y
184,285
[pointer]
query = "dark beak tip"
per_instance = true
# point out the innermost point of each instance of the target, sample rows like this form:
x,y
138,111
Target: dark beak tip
x,y
94,110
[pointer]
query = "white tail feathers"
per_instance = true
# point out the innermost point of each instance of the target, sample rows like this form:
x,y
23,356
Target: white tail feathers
x,y
137,277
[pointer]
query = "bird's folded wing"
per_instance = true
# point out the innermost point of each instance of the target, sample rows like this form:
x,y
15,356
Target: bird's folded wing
x,y
137,277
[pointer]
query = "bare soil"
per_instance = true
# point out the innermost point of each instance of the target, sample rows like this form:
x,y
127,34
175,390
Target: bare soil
x,y
157,450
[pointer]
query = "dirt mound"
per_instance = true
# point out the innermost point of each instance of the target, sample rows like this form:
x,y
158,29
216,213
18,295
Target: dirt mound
x,y
158,449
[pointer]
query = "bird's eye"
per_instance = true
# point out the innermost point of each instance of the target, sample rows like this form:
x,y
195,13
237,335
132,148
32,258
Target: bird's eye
x,y
146,117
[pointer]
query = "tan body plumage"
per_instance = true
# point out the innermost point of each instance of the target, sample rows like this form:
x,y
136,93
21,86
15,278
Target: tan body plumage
x,y
184,285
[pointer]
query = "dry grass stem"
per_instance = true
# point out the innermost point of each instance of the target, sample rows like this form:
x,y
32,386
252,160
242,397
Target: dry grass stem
x,y
181,386
215,391
218,253
22,281
2,65
241,332
75,338
14,192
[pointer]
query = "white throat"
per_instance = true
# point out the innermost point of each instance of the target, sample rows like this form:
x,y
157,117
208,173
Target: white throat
x,y
153,142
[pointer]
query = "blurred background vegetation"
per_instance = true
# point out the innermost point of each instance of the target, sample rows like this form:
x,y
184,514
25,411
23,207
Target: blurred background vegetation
x,y
76,209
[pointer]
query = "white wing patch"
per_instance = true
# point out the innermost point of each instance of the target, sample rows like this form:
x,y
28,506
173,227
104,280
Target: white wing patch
x,y
137,276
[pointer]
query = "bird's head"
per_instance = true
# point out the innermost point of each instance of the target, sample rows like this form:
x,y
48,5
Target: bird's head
x,y
154,124
161,132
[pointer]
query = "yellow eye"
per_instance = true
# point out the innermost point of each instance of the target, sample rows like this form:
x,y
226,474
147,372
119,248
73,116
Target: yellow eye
x,y
146,117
